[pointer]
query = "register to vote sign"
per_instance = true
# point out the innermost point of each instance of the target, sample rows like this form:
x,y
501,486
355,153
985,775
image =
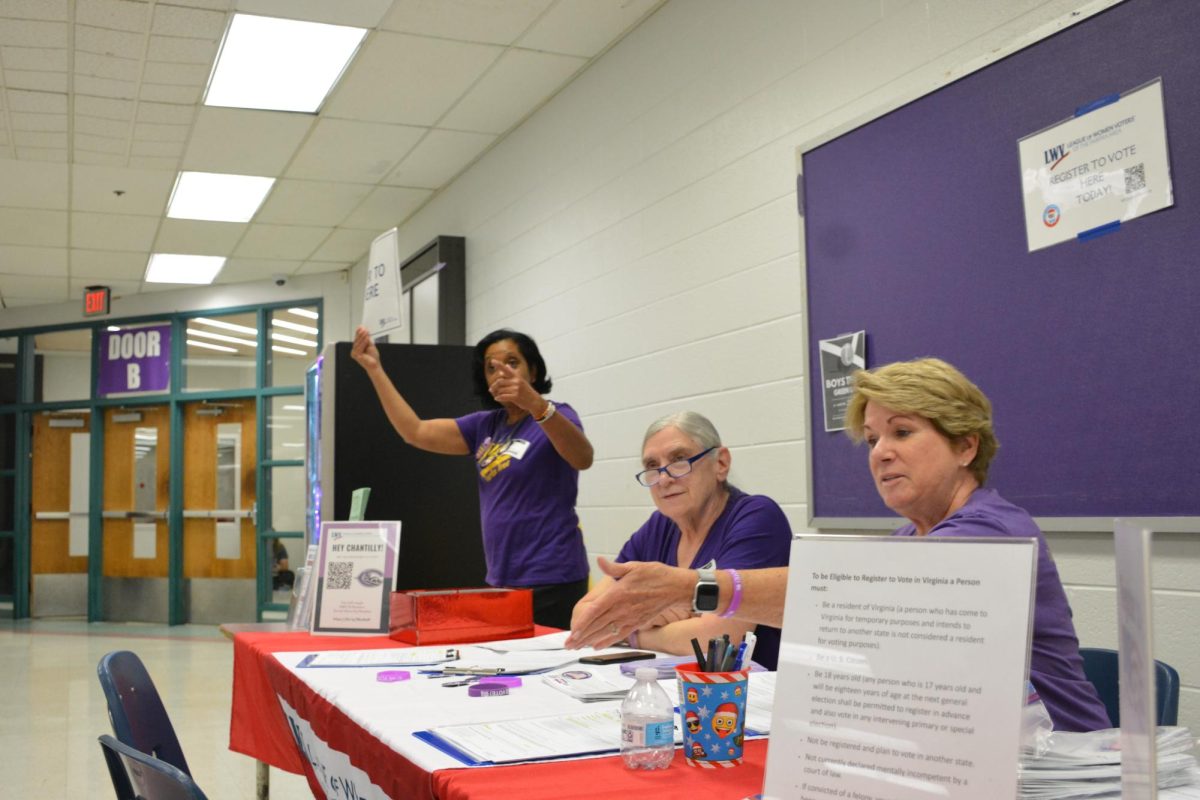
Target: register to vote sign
x,y
135,360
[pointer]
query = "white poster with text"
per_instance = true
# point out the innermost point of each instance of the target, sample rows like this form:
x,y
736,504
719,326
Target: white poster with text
x,y
383,295
1100,167
902,668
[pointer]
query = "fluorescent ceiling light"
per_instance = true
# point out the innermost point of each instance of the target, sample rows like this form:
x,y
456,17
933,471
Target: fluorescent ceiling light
x,y
220,337
283,337
294,352
304,312
229,326
221,347
174,268
280,64
216,197
294,326
113,328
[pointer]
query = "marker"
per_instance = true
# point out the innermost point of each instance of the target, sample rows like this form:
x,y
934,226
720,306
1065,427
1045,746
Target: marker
x,y
712,656
700,662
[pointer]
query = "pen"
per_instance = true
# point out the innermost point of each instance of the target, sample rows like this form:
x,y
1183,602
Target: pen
x,y
741,653
751,640
700,662
727,662
712,656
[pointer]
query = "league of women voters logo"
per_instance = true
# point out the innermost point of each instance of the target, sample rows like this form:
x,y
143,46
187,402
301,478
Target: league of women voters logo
x,y
1051,215
495,457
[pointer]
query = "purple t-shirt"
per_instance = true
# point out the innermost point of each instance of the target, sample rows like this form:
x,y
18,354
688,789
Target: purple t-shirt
x,y
1055,668
751,532
531,535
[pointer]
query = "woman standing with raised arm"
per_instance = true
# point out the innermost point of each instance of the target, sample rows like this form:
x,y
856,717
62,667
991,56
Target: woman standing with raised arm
x,y
528,451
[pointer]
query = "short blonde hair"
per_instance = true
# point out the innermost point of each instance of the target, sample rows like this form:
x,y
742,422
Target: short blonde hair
x,y
935,390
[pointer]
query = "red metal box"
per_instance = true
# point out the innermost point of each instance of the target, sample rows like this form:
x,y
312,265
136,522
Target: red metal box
x,y
447,616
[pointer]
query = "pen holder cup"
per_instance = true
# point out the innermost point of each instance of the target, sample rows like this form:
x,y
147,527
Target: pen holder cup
x,y
713,708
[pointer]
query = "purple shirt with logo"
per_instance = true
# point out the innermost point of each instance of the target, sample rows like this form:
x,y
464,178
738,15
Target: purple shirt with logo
x,y
531,534
1055,668
751,532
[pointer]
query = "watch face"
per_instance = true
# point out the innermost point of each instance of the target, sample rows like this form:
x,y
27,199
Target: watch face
x,y
706,597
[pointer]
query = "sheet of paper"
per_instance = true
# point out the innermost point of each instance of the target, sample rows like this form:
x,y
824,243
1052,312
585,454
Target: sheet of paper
x,y
537,738
401,656
551,641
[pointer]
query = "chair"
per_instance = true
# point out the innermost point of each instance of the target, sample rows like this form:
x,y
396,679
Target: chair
x,y
1100,667
137,776
135,710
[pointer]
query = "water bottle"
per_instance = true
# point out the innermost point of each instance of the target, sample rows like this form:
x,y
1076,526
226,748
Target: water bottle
x,y
647,724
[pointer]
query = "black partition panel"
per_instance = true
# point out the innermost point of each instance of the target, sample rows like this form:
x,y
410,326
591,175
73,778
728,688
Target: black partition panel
x,y
914,232
435,497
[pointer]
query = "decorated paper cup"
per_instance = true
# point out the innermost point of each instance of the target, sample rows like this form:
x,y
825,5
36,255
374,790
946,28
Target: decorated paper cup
x,y
712,707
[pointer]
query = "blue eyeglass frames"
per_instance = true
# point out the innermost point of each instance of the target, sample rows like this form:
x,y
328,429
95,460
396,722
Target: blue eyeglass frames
x,y
676,469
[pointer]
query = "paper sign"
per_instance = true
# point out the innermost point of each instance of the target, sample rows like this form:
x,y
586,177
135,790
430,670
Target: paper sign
x,y
841,357
902,668
135,360
383,298
1097,168
356,569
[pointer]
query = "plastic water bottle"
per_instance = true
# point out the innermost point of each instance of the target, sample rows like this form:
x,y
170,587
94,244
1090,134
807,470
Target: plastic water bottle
x,y
647,724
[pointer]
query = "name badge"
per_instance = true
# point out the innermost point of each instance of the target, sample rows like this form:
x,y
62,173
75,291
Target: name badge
x,y
516,448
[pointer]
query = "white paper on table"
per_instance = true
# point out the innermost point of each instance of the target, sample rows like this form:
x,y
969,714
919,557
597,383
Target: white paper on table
x,y
537,738
398,657
550,641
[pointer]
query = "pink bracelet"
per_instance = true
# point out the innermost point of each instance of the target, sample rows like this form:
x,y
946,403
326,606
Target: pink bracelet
x,y
736,600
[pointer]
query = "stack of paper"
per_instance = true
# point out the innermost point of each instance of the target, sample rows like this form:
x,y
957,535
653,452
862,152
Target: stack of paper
x,y
586,685
1079,765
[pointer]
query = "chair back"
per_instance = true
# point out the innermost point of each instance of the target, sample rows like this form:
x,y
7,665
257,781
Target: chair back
x,y
135,709
1100,667
137,776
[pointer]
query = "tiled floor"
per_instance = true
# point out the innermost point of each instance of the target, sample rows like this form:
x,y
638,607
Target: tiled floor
x,y
55,708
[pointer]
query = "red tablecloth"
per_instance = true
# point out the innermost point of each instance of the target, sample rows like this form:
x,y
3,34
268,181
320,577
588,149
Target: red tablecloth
x,y
259,729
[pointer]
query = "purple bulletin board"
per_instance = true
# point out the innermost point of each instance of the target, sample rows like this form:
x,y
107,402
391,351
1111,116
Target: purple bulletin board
x,y
1089,351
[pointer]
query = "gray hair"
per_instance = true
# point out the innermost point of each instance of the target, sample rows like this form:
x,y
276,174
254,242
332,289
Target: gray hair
x,y
693,425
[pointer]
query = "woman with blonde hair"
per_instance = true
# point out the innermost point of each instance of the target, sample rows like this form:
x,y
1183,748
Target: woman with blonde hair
x,y
929,431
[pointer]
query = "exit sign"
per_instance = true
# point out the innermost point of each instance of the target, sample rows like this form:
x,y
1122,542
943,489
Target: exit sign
x,y
95,300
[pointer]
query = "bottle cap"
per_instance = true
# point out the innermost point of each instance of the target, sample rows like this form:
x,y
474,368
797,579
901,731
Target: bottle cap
x,y
647,674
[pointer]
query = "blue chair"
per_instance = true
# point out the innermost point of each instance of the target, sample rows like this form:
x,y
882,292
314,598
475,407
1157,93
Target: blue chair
x,y
135,710
1100,667
137,776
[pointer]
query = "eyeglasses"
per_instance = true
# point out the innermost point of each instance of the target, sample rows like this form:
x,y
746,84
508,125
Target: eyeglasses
x,y
676,469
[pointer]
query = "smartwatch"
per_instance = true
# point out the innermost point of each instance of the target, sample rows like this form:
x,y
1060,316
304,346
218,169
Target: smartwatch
x,y
707,593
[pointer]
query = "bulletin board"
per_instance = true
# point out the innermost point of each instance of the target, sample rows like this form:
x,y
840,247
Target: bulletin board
x,y
912,230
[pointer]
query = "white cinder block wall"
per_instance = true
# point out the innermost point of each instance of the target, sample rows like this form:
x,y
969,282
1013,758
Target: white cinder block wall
x,y
642,227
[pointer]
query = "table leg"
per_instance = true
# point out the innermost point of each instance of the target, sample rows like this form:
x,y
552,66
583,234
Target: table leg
x,y
262,776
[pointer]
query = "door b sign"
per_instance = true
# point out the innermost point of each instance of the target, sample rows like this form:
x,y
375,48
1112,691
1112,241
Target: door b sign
x,y
135,360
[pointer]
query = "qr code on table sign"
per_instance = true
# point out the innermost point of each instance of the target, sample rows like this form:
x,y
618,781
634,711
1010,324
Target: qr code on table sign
x,y
340,573
1135,178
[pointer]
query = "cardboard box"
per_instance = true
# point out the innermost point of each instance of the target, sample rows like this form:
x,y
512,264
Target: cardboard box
x,y
447,616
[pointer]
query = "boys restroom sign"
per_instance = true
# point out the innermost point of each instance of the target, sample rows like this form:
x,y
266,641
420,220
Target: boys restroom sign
x,y
135,360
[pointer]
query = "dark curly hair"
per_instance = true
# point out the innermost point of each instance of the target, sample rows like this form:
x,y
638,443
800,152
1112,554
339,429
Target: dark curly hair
x,y
529,351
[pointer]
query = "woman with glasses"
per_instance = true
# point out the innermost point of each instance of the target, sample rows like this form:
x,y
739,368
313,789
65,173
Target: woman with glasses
x,y
704,523
528,452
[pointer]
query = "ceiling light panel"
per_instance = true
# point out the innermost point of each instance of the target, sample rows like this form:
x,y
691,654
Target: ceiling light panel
x,y
176,268
216,197
280,64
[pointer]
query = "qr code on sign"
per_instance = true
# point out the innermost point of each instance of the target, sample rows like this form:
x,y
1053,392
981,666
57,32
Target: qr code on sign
x,y
1135,178
340,573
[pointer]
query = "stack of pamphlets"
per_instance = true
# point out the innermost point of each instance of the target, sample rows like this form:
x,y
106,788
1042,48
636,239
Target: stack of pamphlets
x,y
587,685
1079,765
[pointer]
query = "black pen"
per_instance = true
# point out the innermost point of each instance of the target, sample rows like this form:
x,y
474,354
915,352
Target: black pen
x,y
700,662
712,656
